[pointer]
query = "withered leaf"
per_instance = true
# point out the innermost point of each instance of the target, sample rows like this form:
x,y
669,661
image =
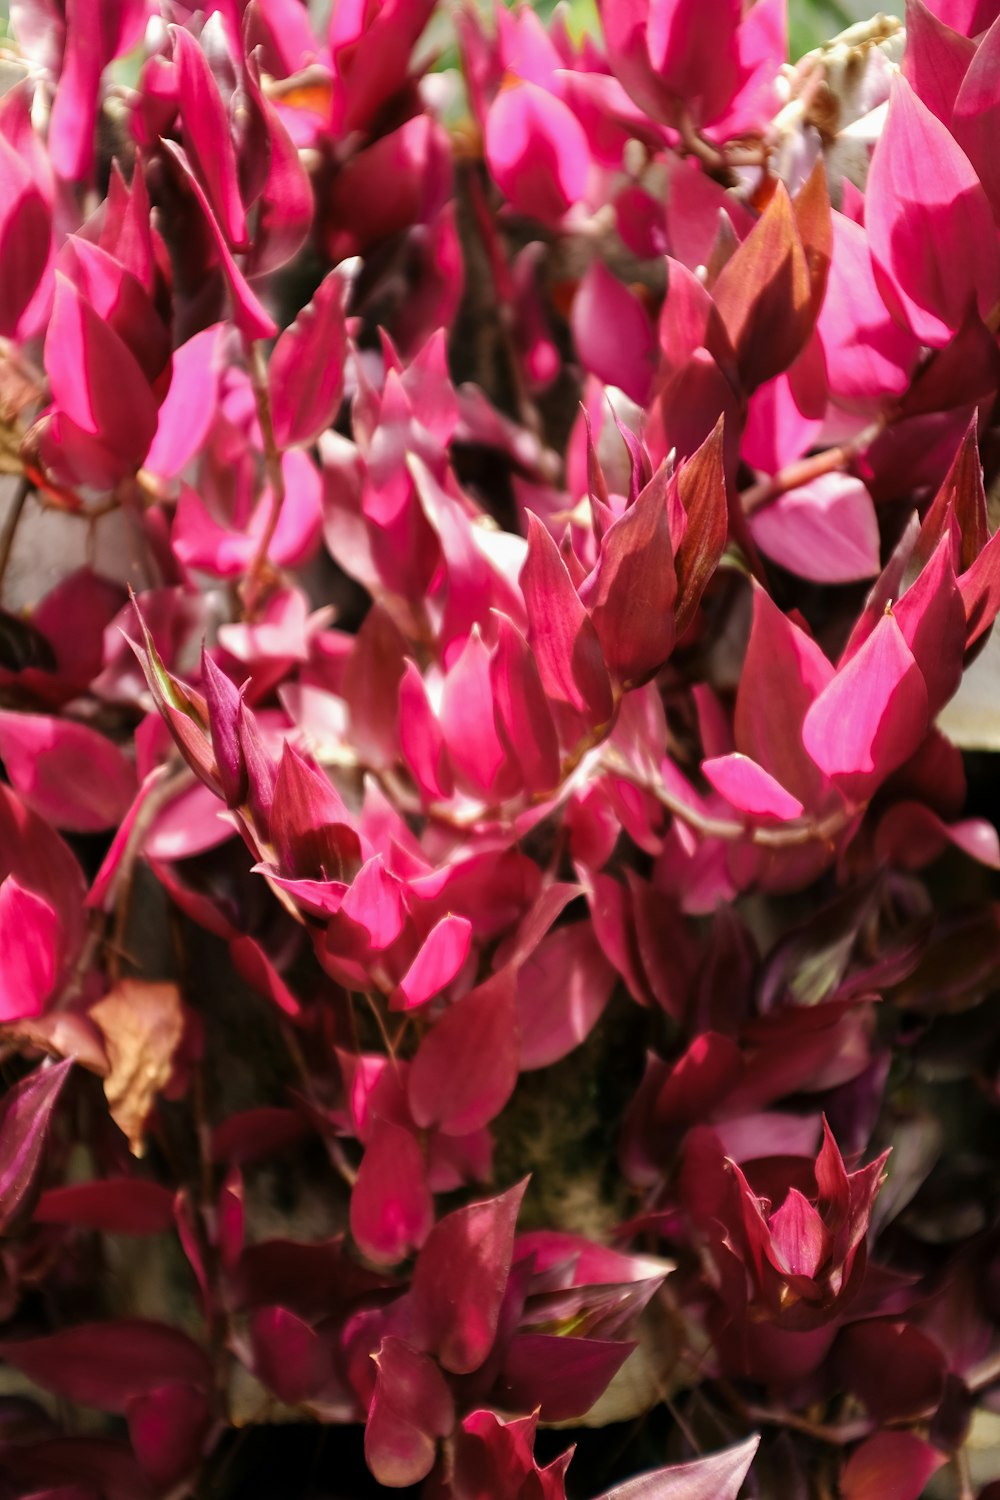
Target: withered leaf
x,y
142,1025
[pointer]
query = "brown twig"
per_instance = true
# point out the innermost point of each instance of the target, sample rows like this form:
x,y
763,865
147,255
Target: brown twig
x,y
11,523
793,835
253,584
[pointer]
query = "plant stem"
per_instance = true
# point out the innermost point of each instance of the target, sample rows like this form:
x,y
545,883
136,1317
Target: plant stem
x,y
11,523
253,584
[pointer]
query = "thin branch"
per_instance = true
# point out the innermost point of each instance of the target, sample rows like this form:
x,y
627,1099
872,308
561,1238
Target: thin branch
x,y
794,835
11,523
254,582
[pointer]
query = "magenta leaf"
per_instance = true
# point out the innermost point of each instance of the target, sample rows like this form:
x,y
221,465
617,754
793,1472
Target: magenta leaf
x,y
466,1066
562,636
167,1427
31,942
113,1205
890,1463
412,1407
65,771
460,1279
392,1211
872,714
306,371
107,1364
25,1117
931,245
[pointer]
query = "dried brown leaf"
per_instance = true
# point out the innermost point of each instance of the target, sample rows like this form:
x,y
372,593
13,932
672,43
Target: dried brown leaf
x,y
142,1025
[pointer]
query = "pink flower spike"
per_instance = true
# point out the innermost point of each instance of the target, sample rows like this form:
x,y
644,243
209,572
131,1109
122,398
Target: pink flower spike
x,y
524,719
437,963
420,737
750,788
933,236
631,592
872,715
566,645
31,943
537,152
392,1211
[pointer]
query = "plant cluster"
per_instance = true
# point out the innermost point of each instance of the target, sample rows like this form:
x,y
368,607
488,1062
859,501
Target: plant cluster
x,y
492,933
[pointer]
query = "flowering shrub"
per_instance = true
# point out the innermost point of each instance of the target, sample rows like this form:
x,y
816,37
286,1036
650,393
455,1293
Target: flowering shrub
x,y
492,930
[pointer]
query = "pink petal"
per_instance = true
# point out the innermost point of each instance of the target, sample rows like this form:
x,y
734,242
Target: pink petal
x,y
207,137
783,672
25,1115
566,646
868,355
106,1364
437,963
890,1463
375,900
31,944
287,1354
189,407
249,315
253,965
392,1211
935,61
466,1066
562,990
25,244
630,594
166,1428
798,1235
460,1279
537,152
306,370
67,772
561,1375
826,531
95,378
933,237
412,1407
522,711
420,737
750,788
612,332
977,113
474,747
